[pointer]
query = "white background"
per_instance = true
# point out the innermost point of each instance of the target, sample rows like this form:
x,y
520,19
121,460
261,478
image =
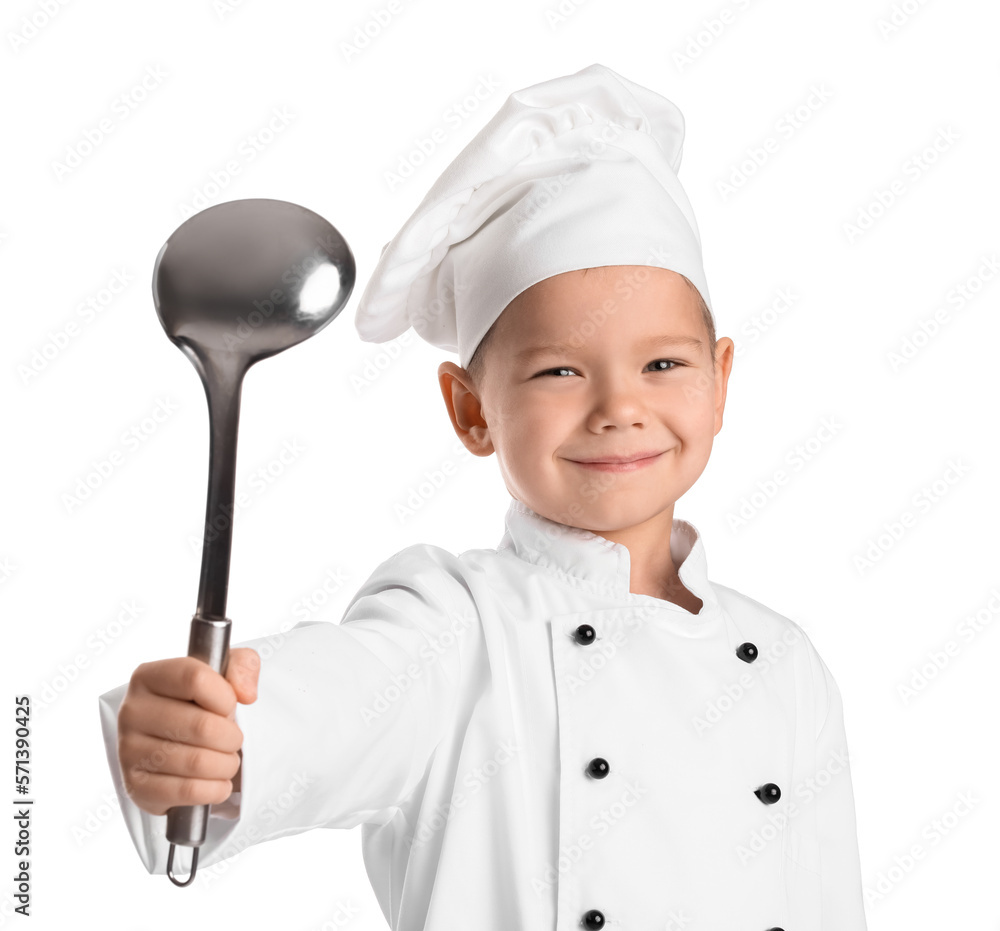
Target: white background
x,y
70,567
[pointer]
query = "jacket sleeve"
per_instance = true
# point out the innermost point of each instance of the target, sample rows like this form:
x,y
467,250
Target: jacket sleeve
x,y
347,715
836,826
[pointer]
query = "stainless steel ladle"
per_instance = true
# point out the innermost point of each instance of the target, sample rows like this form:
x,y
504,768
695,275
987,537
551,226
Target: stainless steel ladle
x,y
234,284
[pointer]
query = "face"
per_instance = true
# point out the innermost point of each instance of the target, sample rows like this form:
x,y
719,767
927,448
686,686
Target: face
x,y
589,367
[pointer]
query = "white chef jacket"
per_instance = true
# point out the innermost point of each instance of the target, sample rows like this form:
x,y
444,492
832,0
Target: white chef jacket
x,y
531,746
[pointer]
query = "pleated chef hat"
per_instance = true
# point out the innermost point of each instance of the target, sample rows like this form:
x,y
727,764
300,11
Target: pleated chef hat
x,y
575,172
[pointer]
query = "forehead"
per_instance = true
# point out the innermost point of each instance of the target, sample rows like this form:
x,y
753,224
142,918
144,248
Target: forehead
x,y
626,300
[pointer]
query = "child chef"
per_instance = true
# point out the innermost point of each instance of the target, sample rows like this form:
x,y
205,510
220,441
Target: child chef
x,y
576,729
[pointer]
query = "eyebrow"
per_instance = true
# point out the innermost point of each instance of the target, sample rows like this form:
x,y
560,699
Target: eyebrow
x,y
688,342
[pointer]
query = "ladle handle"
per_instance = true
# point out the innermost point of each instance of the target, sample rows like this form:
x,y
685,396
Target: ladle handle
x,y
188,824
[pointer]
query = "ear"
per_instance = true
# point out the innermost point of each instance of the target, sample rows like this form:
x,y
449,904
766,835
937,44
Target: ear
x,y
724,349
465,409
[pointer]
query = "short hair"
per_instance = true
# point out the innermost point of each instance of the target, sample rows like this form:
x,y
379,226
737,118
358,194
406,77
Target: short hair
x,y
477,363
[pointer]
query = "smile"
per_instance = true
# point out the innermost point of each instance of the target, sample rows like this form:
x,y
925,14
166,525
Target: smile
x,y
619,465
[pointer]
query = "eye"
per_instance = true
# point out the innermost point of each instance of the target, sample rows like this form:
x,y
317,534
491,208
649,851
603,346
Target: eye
x,y
561,368
670,363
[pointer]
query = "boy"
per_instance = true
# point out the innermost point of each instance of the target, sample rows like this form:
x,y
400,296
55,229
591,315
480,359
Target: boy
x,y
577,728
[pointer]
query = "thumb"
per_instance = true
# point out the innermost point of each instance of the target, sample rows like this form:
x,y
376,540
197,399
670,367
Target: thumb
x,y
242,673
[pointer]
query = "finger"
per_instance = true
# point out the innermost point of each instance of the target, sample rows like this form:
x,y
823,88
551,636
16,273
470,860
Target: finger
x,y
153,755
243,672
158,793
188,679
180,721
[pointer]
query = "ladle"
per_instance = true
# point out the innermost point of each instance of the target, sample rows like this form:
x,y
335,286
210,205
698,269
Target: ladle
x,y
234,284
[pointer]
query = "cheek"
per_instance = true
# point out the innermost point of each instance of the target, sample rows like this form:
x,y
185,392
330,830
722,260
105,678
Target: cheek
x,y
699,429
693,404
534,414
527,434
516,427
692,426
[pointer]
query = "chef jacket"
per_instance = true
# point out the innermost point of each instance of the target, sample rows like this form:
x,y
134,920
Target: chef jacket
x,y
529,745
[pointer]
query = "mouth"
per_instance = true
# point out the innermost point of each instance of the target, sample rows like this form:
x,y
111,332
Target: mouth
x,y
629,463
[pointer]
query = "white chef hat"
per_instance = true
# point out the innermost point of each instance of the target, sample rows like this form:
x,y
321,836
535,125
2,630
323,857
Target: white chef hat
x,y
576,172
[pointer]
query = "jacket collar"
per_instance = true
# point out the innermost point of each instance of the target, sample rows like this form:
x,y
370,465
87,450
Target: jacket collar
x,y
588,560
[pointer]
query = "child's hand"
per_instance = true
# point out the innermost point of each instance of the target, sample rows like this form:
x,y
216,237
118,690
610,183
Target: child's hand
x,y
172,752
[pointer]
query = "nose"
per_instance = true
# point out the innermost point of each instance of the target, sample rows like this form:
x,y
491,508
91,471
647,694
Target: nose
x,y
619,404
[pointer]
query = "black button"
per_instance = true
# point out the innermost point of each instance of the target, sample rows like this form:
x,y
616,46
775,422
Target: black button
x,y
775,929
747,652
598,768
584,634
593,919
768,793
